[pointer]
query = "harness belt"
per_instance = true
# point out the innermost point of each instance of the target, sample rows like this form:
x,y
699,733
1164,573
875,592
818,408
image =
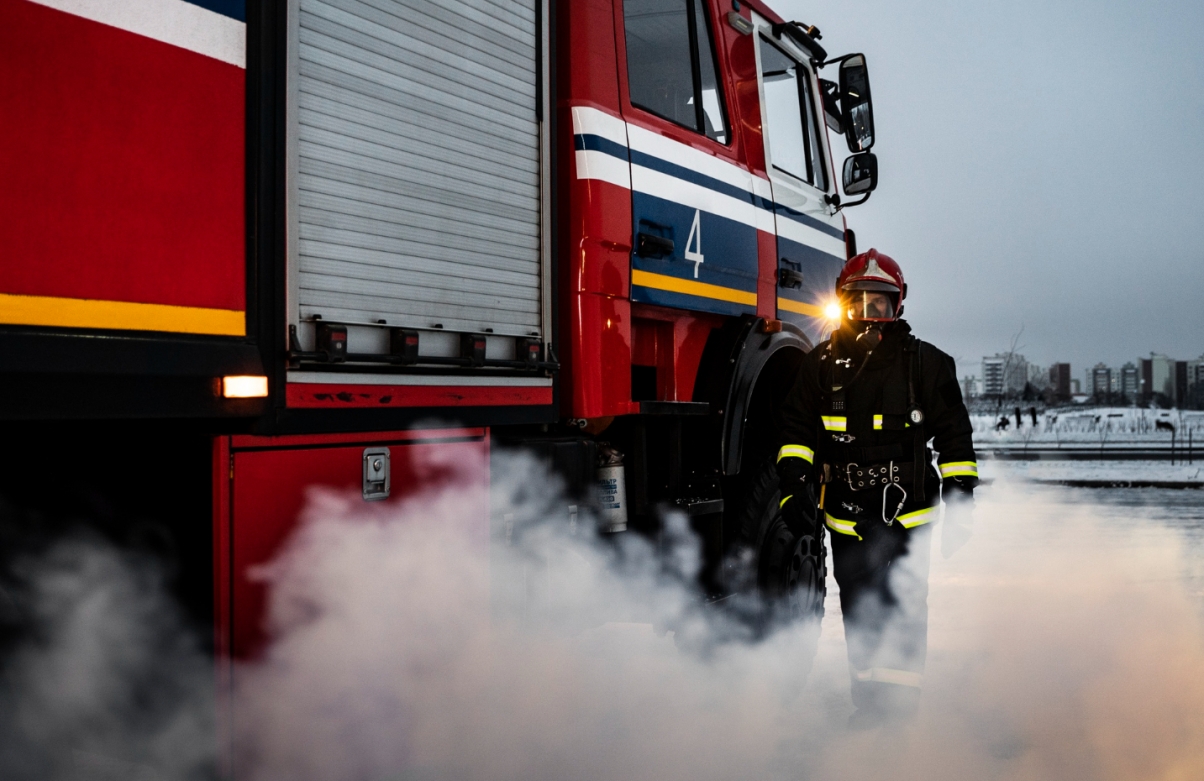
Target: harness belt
x,y
860,478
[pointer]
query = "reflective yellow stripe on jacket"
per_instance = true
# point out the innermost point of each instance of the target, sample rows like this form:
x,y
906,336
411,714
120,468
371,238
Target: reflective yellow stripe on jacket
x,y
878,423
840,527
888,675
909,520
959,469
797,451
835,422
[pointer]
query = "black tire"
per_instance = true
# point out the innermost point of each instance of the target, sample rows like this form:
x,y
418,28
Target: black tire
x,y
790,570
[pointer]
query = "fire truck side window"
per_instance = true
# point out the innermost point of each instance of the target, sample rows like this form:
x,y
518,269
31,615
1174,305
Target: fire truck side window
x,y
671,67
794,143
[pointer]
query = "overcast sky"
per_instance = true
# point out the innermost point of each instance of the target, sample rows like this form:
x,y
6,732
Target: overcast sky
x,y
1041,164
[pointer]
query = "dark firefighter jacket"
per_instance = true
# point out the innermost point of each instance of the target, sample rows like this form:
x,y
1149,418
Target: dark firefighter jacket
x,y
856,437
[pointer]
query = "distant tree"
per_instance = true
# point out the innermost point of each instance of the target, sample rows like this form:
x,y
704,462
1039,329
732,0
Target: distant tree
x,y
1008,365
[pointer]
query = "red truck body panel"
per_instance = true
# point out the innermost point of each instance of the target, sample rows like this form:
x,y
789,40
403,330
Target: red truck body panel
x,y
266,484
122,180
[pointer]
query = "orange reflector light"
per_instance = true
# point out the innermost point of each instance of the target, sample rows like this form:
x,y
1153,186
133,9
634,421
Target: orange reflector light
x,y
244,387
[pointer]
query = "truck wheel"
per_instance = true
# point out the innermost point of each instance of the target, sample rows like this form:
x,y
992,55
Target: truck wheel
x,y
790,571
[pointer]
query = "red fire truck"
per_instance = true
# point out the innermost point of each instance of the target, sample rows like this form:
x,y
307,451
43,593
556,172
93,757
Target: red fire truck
x,y
252,247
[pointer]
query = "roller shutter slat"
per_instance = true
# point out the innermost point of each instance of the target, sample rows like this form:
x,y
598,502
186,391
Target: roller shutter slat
x,y
435,130
396,201
418,181
465,20
476,240
315,240
478,44
381,280
386,59
364,126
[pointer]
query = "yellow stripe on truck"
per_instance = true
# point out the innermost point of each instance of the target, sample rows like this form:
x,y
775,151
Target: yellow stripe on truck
x,y
119,315
799,308
691,288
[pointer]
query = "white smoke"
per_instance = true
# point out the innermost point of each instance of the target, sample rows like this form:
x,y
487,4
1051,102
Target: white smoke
x,y
412,642
108,682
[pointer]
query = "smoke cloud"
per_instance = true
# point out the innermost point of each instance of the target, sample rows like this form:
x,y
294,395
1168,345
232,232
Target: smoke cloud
x,y
105,680
411,642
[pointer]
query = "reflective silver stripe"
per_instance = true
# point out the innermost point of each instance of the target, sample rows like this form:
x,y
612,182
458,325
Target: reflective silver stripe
x,y
917,518
841,526
909,520
835,422
959,468
797,451
887,675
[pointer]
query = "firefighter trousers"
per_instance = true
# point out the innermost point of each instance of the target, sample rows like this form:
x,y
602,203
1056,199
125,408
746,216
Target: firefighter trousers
x,y
883,582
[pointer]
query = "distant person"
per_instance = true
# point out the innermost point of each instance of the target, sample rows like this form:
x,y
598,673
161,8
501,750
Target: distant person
x,y
1019,422
857,422
1003,423
1032,411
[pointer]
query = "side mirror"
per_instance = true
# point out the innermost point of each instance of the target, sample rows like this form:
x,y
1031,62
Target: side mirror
x,y
860,174
857,110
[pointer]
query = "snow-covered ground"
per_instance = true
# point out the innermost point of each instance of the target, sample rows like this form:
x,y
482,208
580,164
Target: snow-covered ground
x,y
1098,426
1120,471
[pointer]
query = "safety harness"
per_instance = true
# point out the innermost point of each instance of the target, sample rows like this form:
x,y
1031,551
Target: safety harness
x,y
885,466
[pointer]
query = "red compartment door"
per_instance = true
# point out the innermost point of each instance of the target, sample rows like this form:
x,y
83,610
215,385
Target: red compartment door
x,y
262,493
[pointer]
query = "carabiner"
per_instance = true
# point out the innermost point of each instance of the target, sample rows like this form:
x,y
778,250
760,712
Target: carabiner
x,y
886,488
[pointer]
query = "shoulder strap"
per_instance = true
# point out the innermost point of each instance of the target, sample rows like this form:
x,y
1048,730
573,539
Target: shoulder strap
x,y
919,437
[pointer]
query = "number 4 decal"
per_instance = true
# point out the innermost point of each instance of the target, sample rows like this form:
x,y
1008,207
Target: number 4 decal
x,y
695,255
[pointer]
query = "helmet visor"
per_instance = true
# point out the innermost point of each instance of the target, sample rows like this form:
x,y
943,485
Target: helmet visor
x,y
874,305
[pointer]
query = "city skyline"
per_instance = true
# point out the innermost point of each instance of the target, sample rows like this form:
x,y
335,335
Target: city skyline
x,y
1158,377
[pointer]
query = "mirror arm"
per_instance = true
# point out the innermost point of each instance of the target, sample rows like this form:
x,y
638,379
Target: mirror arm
x,y
847,204
833,61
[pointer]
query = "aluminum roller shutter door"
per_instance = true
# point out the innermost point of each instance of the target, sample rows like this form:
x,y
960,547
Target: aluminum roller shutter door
x,y
418,174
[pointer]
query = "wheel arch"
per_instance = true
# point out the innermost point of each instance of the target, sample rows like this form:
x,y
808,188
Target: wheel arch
x,y
735,362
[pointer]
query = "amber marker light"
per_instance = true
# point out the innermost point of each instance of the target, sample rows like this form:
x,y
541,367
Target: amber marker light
x,y
244,386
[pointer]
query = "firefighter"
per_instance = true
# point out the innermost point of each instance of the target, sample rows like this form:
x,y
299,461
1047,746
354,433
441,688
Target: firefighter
x,y
856,426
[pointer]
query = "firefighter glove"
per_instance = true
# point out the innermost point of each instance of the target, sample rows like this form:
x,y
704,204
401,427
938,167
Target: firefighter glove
x,y
792,478
959,514
793,497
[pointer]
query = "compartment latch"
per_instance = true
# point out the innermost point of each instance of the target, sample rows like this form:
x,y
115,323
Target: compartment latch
x,y
376,473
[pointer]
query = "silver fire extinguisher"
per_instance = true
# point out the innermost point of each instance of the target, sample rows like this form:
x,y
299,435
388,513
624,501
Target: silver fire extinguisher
x,y
611,486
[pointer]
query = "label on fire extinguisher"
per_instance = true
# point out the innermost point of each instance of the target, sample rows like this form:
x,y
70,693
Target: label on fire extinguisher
x,y
611,486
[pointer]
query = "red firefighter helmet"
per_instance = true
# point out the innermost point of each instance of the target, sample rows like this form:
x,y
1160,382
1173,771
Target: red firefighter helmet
x,y
862,283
